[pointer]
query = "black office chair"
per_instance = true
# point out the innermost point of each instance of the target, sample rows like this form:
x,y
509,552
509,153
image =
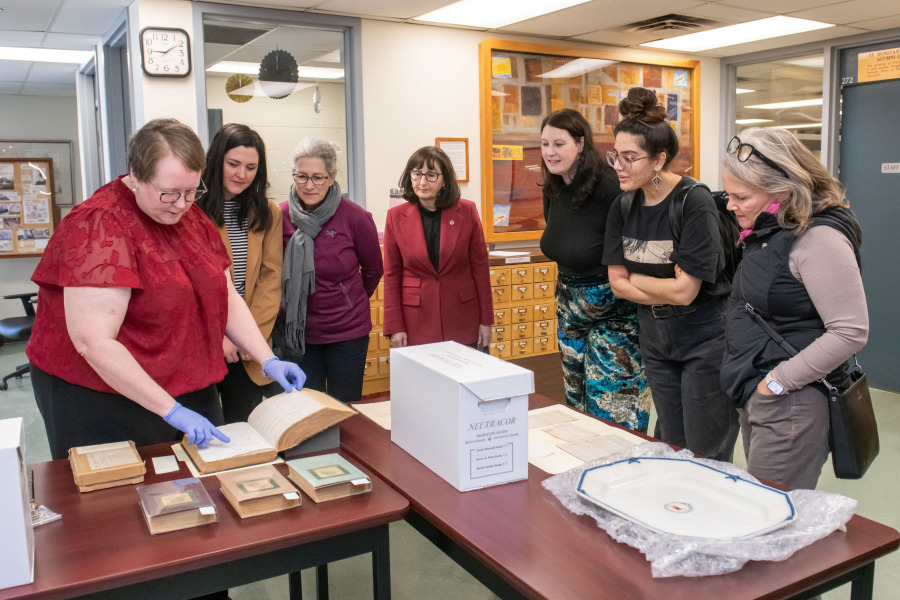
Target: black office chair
x,y
18,329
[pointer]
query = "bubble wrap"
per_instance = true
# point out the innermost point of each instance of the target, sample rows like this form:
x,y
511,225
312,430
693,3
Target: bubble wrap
x,y
818,514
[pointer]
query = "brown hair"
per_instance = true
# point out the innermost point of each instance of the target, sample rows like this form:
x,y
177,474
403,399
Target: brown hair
x,y
809,187
644,117
433,158
156,140
588,166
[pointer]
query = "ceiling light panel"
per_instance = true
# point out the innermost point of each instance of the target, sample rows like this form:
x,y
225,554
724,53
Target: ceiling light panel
x,y
498,13
741,33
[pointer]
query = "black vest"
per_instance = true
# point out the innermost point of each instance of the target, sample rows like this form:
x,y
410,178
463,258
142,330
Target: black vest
x,y
764,280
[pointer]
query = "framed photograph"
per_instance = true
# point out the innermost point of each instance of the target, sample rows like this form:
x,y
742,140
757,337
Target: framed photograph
x,y
458,151
555,77
59,151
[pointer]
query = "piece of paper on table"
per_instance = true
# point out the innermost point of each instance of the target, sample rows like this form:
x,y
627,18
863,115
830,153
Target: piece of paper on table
x,y
505,253
165,464
569,438
569,432
179,452
552,417
380,412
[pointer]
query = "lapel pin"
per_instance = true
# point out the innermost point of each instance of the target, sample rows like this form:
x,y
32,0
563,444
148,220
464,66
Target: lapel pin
x,y
451,222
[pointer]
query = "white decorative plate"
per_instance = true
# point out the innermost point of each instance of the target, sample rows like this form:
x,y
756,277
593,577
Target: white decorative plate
x,y
685,497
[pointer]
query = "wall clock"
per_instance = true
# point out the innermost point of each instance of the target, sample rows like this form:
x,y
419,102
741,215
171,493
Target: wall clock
x,y
165,52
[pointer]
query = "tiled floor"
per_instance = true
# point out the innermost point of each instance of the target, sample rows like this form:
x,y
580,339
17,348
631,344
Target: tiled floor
x,y
419,570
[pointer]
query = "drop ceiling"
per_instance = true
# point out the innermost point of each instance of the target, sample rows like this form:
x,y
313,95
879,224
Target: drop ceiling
x,y
80,24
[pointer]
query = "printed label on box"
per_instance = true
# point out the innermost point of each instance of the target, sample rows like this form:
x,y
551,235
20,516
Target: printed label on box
x,y
490,460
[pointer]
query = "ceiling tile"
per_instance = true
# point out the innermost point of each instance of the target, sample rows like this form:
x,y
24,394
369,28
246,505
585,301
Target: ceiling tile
x,y
10,88
71,41
27,39
599,13
47,89
850,12
93,17
52,73
27,15
14,70
393,9
879,24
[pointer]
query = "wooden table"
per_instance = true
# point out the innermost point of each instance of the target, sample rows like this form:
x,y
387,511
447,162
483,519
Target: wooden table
x,y
520,541
101,548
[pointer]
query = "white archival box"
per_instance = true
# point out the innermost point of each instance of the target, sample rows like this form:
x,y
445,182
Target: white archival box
x,y
461,413
17,547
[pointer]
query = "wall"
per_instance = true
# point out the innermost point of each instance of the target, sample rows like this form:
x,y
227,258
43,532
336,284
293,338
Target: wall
x,y
421,82
36,118
156,97
283,123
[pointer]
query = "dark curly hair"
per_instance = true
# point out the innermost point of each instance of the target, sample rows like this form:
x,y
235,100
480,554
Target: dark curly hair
x,y
644,117
588,166
253,202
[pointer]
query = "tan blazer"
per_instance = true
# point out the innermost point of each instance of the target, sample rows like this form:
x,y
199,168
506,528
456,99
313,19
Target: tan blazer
x,y
262,286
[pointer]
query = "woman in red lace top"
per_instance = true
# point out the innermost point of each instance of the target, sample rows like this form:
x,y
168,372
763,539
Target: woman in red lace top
x,y
135,298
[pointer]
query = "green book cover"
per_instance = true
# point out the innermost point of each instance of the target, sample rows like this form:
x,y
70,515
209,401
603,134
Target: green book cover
x,y
325,469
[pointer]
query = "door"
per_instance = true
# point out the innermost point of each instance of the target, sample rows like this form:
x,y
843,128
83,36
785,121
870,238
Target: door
x,y
869,145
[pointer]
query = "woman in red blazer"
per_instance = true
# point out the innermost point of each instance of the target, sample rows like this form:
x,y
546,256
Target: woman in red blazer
x,y
436,277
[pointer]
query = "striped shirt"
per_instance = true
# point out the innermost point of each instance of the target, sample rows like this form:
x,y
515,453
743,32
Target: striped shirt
x,y
237,237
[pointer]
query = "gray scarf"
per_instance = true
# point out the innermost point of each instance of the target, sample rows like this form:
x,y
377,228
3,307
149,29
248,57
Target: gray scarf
x,y
298,274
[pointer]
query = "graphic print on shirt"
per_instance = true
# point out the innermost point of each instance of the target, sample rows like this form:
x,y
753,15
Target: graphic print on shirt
x,y
648,252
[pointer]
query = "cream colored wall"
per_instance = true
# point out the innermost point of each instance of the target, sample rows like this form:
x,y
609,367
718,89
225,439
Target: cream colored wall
x,y
421,82
33,118
283,123
156,97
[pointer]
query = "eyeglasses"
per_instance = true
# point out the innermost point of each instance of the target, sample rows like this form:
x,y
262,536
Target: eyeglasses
x,y
625,160
431,176
172,197
745,151
302,178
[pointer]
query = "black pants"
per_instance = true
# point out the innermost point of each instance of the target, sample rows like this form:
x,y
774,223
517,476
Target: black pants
x,y
240,395
78,416
683,358
337,369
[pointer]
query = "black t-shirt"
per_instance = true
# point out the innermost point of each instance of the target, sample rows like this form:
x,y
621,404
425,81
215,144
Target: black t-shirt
x,y
574,240
431,225
642,241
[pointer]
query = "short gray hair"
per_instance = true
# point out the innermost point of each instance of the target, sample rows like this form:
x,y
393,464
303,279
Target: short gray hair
x,y
313,147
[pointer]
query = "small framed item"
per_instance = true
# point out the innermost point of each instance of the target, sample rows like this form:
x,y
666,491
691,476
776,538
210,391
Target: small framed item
x,y
165,52
457,150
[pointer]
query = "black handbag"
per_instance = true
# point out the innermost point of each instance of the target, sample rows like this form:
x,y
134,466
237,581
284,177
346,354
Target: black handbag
x,y
853,431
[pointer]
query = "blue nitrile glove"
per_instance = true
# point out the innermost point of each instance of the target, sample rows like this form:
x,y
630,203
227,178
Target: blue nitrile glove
x,y
288,374
197,427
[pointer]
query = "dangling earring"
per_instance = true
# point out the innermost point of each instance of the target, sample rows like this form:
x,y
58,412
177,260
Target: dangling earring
x,y
656,180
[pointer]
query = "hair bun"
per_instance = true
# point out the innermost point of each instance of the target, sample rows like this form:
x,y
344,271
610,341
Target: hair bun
x,y
642,104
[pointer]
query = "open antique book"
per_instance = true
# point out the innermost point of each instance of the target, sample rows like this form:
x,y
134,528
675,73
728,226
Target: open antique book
x,y
277,424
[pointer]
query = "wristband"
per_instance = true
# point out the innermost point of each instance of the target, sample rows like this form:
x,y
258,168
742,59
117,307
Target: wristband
x,y
267,361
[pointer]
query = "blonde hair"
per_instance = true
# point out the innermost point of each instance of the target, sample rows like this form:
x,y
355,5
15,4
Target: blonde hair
x,y
809,188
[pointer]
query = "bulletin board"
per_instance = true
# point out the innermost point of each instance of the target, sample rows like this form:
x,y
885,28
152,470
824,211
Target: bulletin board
x,y
523,83
28,212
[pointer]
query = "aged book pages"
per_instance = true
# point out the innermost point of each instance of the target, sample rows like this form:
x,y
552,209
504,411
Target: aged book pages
x,y
106,465
327,477
277,424
177,504
258,491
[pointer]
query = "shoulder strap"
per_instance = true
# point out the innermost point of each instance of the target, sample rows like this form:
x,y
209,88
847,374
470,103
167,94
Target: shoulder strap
x,y
676,207
626,202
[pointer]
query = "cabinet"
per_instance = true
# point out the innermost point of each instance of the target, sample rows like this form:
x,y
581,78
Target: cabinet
x,y
524,319
524,310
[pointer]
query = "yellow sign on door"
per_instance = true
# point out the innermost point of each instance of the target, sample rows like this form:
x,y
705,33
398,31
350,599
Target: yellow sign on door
x,y
879,65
